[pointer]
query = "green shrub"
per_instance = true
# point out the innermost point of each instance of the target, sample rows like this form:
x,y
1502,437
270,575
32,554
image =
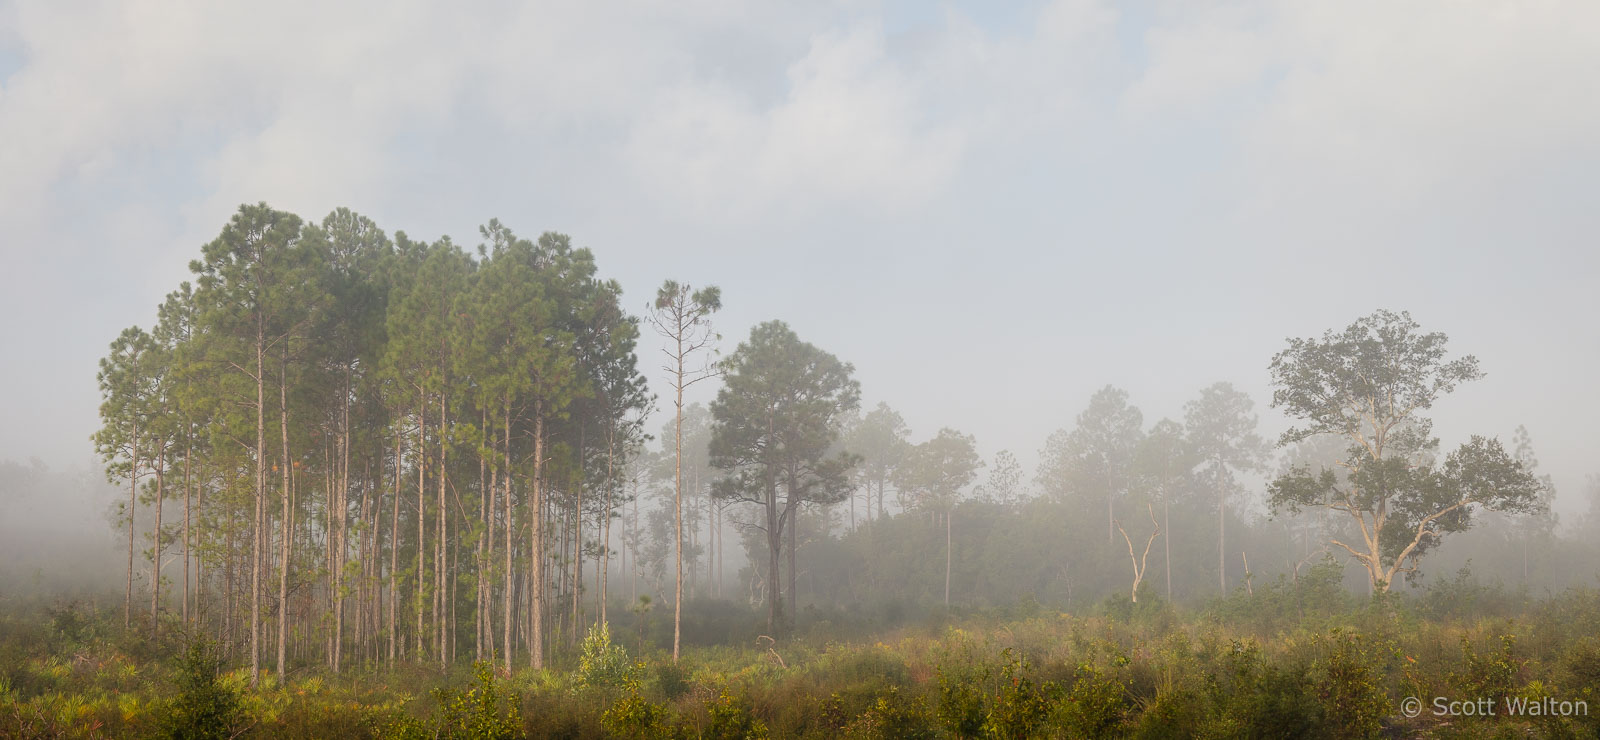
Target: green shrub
x,y
1582,666
960,707
602,663
1252,699
672,680
892,717
731,719
1174,715
1095,706
485,711
1349,679
1020,706
1491,674
633,715
204,707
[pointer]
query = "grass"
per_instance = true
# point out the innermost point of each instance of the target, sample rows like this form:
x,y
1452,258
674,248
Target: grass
x,y
1287,661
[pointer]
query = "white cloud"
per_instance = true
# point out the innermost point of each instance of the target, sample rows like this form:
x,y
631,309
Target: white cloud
x,y
849,130
1408,103
1198,64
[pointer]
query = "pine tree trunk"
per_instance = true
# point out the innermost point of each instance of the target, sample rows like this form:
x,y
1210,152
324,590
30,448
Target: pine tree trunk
x,y
577,541
774,551
1222,541
947,517
794,573
155,561
677,505
284,551
489,482
187,453
394,556
133,505
440,590
510,530
339,522
605,549
1111,511
259,525
536,556
774,543
422,508
1166,523
721,550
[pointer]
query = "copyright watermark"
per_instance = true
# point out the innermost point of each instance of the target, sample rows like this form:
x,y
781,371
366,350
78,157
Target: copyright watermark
x,y
1483,706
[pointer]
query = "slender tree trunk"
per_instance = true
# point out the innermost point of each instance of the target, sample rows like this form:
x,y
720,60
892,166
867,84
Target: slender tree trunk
x,y
1222,540
330,477
259,526
633,534
774,542
774,550
340,516
230,594
155,562
394,555
605,550
577,540
710,552
1111,510
188,451
947,517
536,584
510,529
455,592
422,508
721,550
133,505
486,544
794,536
368,548
1166,522
441,583
677,503
200,572
284,551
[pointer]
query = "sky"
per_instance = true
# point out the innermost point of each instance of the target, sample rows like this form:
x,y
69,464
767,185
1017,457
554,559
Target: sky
x,y
990,212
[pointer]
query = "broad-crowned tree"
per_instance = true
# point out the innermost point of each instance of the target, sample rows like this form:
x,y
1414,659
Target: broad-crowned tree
x,y
775,420
1370,385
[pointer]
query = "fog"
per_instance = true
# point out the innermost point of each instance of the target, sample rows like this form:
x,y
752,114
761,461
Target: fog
x,y
59,530
990,214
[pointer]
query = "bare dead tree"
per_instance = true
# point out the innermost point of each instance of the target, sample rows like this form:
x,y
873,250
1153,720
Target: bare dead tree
x,y
1139,561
